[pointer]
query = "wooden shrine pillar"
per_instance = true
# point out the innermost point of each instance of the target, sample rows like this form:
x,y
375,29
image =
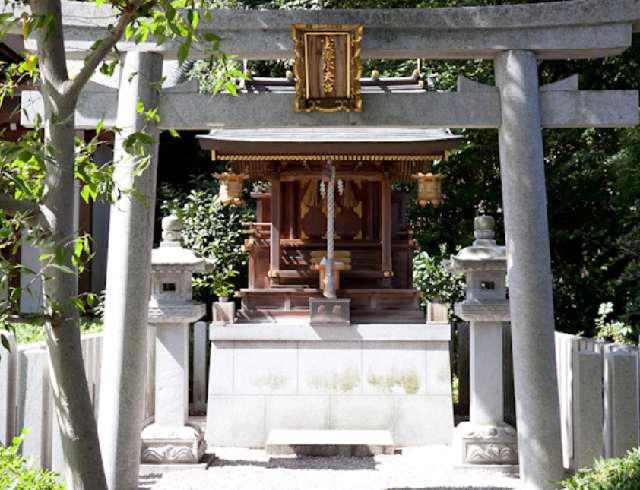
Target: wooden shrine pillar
x,y
385,229
274,255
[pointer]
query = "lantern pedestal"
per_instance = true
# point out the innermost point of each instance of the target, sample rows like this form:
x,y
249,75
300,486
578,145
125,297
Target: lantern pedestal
x,y
485,444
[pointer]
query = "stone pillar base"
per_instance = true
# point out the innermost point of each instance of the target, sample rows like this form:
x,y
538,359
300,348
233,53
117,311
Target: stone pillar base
x,y
163,444
485,444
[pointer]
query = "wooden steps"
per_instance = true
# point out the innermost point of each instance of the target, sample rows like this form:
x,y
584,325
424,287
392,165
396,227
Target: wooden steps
x,y
327,443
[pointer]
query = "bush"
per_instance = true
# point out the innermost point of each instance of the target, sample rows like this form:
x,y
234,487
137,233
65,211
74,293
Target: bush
x,y
609,474
214,231
435,282
17,472
30,329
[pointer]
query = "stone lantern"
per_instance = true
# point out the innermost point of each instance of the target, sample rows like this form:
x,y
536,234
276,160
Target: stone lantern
x,y
429,188
231,187
169,439
485,439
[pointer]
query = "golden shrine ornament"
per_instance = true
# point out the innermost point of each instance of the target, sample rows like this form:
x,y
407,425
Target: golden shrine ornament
x,y
327,67
429,188
231,187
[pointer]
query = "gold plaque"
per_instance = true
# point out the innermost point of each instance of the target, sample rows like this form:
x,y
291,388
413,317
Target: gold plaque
x,y
327,67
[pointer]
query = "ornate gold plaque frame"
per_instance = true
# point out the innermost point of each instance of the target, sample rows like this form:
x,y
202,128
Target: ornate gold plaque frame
x,y
333,72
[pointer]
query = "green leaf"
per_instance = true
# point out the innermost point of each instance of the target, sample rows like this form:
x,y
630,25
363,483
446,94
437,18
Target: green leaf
x,y
231,87
183,51
128,31
63,268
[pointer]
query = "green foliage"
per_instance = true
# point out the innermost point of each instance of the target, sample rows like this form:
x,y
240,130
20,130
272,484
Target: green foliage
x,y
434,281
609,474
217,73
614,331
220,282
18,473
30,329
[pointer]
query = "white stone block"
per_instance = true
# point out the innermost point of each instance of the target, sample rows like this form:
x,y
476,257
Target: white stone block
x,y
199,374
587,408
297,412
330,368
172,375
317,387
33,405
7,390
395,367
485,356
423,419
265,368
236,421
363,412
438,377
221,370
621,416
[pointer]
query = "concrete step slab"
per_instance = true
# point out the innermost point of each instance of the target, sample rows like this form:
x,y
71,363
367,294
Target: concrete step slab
x,y
356,443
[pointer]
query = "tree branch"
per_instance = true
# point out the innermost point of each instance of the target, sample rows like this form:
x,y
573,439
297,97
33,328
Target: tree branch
x,y
96,57
11,205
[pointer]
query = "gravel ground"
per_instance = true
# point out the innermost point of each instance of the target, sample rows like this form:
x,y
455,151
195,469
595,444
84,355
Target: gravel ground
x,y
416,468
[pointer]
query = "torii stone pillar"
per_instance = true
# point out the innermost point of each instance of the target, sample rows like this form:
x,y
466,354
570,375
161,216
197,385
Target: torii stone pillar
x,y
524,200
122,384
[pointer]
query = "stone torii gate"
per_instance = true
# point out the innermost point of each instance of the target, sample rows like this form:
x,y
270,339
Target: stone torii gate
x,y
514,37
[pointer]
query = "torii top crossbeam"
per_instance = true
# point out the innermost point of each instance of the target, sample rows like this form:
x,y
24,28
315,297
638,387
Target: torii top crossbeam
x,y
556,30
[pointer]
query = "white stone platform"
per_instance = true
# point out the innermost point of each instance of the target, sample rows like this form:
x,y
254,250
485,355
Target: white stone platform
x,y
357,443
299,377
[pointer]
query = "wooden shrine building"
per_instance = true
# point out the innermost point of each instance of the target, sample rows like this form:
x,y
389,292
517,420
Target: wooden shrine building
x,y
298,215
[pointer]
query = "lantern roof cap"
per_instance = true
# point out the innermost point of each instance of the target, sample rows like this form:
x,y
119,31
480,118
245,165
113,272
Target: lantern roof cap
x,y
484,254
171,252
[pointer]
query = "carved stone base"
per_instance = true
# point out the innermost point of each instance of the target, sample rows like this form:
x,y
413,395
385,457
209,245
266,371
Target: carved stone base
x,y
486,444
163,444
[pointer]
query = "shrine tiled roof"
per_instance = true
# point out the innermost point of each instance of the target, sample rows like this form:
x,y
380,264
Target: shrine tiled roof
x,y
331,135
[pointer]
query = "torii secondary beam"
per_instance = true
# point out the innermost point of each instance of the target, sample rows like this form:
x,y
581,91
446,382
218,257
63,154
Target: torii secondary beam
x,y
183,108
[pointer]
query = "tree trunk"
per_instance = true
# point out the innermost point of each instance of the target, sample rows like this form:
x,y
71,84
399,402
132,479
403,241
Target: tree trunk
x,y
68,380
